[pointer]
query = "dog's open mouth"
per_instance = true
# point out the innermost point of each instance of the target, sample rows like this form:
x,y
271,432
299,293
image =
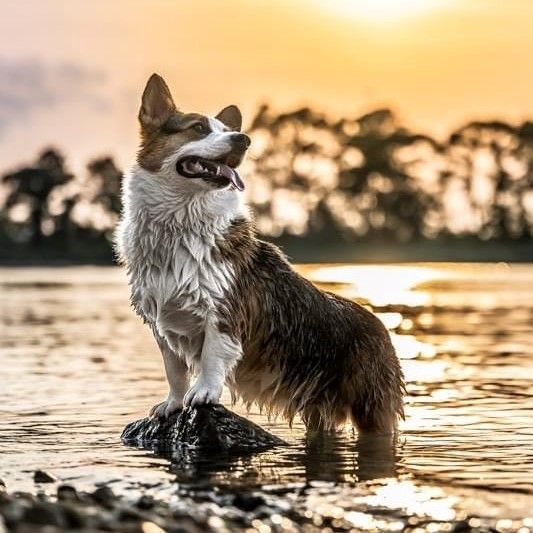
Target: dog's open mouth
x,y
221,172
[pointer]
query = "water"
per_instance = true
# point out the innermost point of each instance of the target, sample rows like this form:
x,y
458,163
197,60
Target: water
x,y
77,365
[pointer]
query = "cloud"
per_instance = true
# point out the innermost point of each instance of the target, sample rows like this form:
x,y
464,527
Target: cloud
x,y
30,84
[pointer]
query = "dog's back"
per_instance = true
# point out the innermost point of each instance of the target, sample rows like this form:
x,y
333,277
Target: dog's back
x,y
306,351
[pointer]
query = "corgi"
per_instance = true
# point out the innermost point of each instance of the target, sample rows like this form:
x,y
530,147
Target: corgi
x,y
227,308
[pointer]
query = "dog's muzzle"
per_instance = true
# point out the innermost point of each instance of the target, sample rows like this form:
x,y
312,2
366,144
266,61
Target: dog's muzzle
x,y
221,171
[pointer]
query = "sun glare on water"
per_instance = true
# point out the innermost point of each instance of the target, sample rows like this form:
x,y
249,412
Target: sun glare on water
x,y
378,11
381,285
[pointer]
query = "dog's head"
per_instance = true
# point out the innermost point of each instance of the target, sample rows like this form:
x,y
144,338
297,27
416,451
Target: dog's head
x,y
190,151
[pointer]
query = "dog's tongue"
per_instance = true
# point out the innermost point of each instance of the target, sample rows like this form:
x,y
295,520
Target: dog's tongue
x,y
232,175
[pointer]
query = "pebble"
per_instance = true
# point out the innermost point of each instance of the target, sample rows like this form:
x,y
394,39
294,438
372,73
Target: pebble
x,y
191,511
104,496
41,513
145,502
67,493
248,502
40,476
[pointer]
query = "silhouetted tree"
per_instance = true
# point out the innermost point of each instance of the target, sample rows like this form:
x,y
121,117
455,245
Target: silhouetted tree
x,y
31,187
347,174
388,199
308,174
493,163
109,178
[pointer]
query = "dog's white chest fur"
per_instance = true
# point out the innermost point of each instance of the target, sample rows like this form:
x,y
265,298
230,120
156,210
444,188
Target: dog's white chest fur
x,y
168,245
181,270
177,293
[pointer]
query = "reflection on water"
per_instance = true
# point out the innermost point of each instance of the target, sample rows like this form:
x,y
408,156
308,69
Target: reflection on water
x,y
77,365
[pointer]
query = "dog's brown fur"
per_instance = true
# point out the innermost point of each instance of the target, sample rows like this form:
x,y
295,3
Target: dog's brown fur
x,y
157,145
164,128
306,351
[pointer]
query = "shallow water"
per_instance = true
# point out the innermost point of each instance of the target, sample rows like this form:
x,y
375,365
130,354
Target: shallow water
x,y
77,365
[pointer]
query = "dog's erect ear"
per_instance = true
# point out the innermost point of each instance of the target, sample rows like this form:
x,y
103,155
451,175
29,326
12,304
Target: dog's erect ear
x,y
231,117
157,104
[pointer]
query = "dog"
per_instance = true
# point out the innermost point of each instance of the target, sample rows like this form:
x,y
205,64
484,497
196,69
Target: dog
x,y
228,308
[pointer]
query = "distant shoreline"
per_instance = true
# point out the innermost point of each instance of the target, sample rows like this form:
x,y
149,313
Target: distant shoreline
x,y
299,250
464,250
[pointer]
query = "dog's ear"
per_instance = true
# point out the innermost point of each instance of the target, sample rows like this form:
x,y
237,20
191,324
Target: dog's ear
x,y
231,117
157,104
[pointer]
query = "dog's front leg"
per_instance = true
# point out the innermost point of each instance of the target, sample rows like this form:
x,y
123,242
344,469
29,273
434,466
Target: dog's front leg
x,y
219,355
177,377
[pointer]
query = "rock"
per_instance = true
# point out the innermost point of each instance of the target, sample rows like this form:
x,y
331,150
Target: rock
x,y
40,476
42,513
248,502
67,493
104,496
145,502
130,514
208,427
74,517
12,512
462,527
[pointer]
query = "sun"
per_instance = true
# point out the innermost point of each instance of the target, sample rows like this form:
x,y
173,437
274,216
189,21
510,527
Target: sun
x,y
380,11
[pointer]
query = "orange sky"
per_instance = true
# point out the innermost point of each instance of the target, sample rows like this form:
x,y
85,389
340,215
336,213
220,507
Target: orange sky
x,y
71,71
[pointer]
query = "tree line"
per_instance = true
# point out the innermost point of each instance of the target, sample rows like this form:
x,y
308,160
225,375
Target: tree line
x,y
355,179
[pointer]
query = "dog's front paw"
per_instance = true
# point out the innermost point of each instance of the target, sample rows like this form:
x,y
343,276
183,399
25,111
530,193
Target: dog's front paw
x,y
202,393
166,408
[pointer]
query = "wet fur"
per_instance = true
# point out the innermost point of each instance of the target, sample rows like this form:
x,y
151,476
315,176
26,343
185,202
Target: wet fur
x,y
305,351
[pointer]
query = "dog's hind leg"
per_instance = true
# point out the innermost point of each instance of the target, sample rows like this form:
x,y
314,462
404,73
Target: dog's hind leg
x,y
378,409
375,420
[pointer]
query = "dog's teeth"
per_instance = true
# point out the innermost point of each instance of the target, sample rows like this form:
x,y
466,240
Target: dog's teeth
x,y
218,171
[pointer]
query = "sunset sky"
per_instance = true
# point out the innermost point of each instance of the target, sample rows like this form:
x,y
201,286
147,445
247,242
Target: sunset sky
x,y
71,72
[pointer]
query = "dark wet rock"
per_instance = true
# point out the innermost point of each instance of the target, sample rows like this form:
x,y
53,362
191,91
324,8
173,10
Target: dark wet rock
x,y
12,512
43,513
104,496
209,427
462,526
130,514
307,508
67,493
145,502
40,476
248,502
74,517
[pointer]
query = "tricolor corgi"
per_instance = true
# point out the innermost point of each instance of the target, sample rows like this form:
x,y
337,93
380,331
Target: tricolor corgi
x,y
226,307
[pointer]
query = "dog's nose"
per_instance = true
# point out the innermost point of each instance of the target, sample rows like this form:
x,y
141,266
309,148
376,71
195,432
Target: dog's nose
x,y
241,139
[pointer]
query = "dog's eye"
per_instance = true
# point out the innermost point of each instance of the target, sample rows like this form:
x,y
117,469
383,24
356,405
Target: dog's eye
x,y
199,127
